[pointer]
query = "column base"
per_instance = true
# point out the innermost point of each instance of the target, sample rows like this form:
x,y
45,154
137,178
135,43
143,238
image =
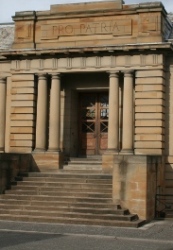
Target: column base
x,y
112,151
39,150
53,150
126,152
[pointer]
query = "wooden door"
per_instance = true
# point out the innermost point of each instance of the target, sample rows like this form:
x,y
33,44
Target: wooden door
x,y
93,123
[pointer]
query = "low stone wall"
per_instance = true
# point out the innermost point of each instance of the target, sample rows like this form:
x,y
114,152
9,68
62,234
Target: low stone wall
x,y
12,165
136,181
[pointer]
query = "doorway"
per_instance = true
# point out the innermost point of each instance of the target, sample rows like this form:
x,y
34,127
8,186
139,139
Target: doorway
x,y
93,123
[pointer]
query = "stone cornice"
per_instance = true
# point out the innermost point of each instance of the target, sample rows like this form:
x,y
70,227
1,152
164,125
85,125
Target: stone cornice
x,y
67,51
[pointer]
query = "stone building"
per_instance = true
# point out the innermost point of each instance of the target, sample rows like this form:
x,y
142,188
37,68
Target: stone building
x,y
92,80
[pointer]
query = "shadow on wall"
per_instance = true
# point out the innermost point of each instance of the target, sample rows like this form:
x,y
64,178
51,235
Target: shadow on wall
x,y
12,165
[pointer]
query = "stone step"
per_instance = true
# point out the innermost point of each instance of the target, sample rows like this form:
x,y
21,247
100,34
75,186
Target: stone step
x,y
53,198
56,203
85,221
66,180
66,214
68,208
61,188
84,168
84,165
61,174
62,193
90,159
62,184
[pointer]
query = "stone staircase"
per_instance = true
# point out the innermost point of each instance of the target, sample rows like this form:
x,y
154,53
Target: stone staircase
x,y
66,196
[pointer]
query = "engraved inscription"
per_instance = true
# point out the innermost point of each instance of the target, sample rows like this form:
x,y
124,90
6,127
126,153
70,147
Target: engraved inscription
x,y
114,27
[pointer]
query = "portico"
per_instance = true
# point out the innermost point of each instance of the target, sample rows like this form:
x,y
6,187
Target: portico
x,y
88,79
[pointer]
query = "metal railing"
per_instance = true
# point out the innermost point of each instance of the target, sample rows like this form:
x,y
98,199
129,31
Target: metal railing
x,y
163,205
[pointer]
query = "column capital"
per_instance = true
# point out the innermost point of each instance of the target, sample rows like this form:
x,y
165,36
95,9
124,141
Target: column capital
x,y
128,73
55,75
42,76
114,74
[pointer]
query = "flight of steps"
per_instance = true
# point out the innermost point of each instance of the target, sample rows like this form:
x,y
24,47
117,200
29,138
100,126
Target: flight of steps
x,y
79,195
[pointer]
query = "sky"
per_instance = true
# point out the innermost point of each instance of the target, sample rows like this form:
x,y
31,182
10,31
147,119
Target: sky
x,y
9,7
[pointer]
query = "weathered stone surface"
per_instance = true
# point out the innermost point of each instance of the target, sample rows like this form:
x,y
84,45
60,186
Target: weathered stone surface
x,y
6,35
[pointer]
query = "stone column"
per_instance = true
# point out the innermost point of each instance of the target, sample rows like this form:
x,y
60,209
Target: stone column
x,y
2,113
41,122
54,118
113,125
127,138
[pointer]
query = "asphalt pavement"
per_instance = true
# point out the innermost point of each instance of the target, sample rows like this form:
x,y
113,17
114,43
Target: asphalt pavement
x,y
157,235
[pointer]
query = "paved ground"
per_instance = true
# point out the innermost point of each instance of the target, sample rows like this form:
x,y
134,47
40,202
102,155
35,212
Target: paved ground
x,y
158,235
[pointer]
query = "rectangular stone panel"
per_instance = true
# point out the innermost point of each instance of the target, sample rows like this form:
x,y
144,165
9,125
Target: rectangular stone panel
x,y
21,143
149,95
20,149
148,108
149,102
149,123
149,116
23,104
22,117
149,80
23,84
151,87
21,137
23,78
149,144
150,73
148,151
22,130
149,130
23,97
25,123
22,90
149,137
23,110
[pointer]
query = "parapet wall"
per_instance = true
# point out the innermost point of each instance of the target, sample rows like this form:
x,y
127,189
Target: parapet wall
x,y
91,24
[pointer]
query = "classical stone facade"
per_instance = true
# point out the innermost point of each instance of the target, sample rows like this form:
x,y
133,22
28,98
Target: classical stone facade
x,y
92,79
